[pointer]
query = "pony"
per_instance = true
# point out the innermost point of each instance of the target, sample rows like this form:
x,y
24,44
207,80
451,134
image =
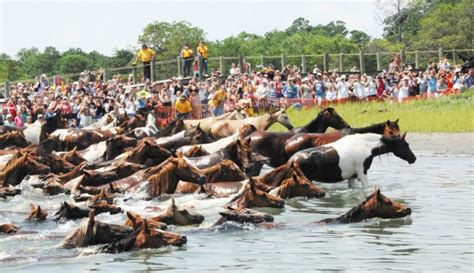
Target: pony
x,y
178,217
147,152
297,186
14,138
135,221
36,214
149,129
328,117
208,122
350,157
117,144
251,197
9,191
375,205
18,168
8,228
243,216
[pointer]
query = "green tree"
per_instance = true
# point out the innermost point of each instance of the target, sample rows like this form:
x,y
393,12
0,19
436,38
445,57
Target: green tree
x,y
359,37
74,64
168,39
300,24
121,57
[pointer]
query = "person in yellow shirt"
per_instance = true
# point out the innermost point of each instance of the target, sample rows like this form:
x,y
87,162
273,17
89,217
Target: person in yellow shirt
x,y
188,57
218,100
183,108
145,55
204,53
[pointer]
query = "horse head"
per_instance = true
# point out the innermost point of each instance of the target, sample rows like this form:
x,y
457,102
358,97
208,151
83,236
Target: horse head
x,y
186,171
297,186
399,147
148,237
103,207
246,130
252,197
391,128
378,205
244,215
282,118
241,154
36,214
179,216
8,228
135,221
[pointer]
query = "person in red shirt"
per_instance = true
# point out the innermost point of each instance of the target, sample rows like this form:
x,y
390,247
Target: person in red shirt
x,y
11,108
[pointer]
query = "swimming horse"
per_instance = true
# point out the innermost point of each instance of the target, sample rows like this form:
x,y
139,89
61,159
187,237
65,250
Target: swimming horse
x,y
350,157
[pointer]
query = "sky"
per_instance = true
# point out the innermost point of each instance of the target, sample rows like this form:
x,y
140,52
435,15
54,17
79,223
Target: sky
x,y
106,25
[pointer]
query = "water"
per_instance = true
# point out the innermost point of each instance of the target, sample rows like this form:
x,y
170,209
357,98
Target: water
x,y
438,236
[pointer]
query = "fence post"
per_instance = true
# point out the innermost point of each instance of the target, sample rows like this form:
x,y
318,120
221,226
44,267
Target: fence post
x,y
178,60
454,56
341,62
283,61
326,61
152,70
440,54
417,59
361,62
303,63
104,75
221,65
200,66
6,89
134,73
261,61
241,62
402,56
379,65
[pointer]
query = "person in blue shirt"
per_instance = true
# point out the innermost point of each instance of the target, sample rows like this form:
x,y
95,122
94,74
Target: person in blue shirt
x,y
319,86
432,83
290,90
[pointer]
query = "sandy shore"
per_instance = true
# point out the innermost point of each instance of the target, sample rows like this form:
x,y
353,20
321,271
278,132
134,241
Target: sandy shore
x,y
453,143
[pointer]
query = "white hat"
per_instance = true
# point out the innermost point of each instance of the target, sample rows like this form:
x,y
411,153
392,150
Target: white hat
x,y
40,116
9,116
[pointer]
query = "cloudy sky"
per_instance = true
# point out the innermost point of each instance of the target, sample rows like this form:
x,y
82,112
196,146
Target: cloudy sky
x,y
106,25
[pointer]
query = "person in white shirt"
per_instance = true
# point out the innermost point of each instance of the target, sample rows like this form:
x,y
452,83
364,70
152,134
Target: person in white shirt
x,y
331,93
263,90
403,89
342,87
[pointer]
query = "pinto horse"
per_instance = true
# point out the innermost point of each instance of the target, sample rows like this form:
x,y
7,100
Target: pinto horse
x,y
376,205
350,157
225,128
14,138
144,237
82,138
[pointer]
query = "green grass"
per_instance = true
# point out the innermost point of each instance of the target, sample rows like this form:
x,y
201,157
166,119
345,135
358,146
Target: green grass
x,y
447,114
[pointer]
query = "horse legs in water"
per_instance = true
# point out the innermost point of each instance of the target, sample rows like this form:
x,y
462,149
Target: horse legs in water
x,y
352,182
362,177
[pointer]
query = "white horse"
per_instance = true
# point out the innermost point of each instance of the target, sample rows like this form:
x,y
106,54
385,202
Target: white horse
x,y
149,129
33,132
106,120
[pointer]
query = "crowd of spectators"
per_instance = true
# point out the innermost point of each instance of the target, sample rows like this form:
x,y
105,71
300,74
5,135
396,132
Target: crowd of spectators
x,y
84,101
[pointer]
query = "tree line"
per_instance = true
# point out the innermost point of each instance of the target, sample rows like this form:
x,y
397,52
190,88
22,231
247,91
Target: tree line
x,y
408,24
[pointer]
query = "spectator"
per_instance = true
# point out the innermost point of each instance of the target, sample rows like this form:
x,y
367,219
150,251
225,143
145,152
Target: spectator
x,y
183,108
218,100
188,57
403,89
8,122
234,70
41,84
145,55
203,52
19,123
290,91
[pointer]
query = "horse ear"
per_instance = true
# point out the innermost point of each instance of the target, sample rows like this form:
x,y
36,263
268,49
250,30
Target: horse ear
x,y
32,207
238,142
396,122
378,192
131,217
404,135
388,122
247,141
252,184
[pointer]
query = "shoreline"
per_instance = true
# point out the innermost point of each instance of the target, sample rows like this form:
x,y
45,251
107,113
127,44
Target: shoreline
x,y
450,143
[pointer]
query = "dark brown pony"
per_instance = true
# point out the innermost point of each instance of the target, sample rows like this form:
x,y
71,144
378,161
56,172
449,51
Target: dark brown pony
x,y
145,237
275,177
135,221
178,217
103,207
148,153
175,169
174,127
117,144
376,205
95,233
8,228
328,117
36,214
137,121
297,186
252,197
14,138
243,216
18,168
70,212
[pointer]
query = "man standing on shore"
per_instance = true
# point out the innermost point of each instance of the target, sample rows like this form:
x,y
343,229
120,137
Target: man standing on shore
x,y
145,55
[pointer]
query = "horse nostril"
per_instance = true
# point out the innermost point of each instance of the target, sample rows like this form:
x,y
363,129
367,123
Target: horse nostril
x,y
408,211
184,240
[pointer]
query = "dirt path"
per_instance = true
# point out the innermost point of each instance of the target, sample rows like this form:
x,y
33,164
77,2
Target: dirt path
x,y
453,143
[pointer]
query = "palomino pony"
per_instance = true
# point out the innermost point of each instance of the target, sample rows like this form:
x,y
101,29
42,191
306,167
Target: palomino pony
x,y
376,205
282,146
14,138
350,157
225,128
206,123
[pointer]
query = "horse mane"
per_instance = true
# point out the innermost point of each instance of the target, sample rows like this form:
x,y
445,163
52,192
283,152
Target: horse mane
x,y
11,166
8,136
162,179
125,244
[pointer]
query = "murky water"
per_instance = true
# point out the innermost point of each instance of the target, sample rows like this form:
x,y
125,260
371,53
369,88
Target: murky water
x,y
438,236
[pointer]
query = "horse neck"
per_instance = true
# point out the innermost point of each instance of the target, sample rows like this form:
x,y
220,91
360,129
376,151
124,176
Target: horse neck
x,y
265,121
167,181
317,125
356,214
374,128
276,176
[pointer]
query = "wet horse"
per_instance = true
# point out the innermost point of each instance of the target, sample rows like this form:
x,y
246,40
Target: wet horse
x,y
195,150
145,237
376,205
281,146
195,135
146,153
149,129
225,128
239,152
251,197
174,215
36,214
72,157
14,138
350,157
297,186
18,168
8,228
174,127
94,232
135,221
117,144
328,117
243,215
82,138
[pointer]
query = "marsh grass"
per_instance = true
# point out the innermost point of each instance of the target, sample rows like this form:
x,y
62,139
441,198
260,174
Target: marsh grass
x,y
446,114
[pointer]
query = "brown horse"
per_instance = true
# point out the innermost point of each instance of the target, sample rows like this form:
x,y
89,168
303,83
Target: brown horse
x,y
117,144
8,228
145,237
147,152
102,196
9,191
73,157
135,221
18,168
243,216
36,214
94,233
103,207
14,138
326,118
275,177
196,150
82,138
252,197
178,217
137,121
167,178
71,212
376,205
296,186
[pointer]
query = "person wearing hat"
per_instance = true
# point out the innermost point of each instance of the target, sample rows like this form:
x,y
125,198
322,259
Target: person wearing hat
x,y
145,55
183,107
8,122
188,56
